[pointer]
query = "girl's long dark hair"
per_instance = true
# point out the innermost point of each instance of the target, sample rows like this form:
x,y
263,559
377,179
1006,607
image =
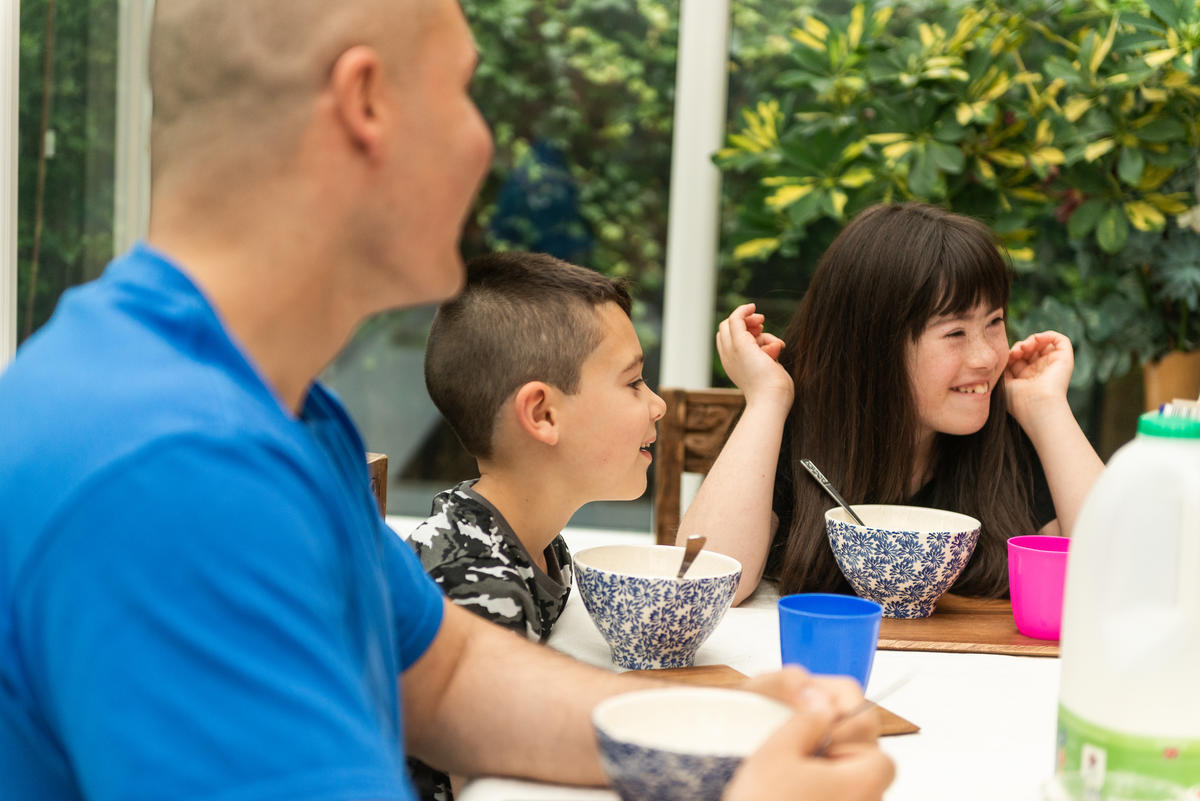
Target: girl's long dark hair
x,y
891,270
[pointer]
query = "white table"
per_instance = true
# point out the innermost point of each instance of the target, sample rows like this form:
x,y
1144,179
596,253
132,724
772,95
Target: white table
x,y
987,721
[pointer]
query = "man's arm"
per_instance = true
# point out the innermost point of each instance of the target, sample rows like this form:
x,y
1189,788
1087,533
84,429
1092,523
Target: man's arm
x,y
483,701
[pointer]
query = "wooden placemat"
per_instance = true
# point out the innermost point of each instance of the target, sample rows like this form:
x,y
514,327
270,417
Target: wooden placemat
x,y
725,676
964,625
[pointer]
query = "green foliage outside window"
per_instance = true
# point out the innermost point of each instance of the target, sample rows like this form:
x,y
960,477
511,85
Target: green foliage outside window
x,y
1071,127
580,97
65,150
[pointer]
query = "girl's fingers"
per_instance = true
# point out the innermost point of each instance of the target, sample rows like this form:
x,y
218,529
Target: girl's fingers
x,y
1015,367
737,323
1043,341
743,311
745,319
773,349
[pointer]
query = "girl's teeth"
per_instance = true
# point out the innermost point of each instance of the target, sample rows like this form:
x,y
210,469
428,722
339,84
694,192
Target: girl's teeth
x,y
978,389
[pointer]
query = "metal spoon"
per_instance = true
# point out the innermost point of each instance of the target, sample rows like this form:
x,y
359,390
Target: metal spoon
x,y
694,544
867,703
819,476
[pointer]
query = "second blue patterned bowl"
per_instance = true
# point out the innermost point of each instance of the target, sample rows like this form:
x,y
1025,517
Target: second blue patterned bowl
x,y
680,743
905,557
649,618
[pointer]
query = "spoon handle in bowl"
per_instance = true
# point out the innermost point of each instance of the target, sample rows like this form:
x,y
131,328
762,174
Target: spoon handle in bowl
x,y
694,543
820,477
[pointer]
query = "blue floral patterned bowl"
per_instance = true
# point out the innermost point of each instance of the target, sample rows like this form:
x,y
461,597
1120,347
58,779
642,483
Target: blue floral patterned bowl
x,y
680,744
905,558
649,618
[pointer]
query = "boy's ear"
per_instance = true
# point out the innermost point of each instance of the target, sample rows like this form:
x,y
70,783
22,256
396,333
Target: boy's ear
x,y
536,412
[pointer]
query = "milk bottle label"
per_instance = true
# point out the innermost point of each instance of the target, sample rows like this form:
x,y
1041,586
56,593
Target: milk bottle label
x,y
1093,752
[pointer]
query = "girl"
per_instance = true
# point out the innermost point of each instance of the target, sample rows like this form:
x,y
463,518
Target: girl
x,y
905,391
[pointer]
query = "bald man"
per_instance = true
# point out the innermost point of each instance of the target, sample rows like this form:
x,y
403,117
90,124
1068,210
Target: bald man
x,y
198,599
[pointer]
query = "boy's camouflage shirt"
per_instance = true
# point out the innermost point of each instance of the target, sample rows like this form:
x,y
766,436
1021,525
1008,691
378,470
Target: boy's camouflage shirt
x,y
470,550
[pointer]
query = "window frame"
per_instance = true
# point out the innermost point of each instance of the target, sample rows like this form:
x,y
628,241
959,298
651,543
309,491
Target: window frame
x,y
131,195
10,19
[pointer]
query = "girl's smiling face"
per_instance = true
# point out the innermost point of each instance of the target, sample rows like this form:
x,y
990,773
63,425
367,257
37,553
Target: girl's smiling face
x,y
953,367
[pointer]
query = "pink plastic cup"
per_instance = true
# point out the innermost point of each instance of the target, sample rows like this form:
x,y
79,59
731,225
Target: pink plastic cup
x,y
1037,569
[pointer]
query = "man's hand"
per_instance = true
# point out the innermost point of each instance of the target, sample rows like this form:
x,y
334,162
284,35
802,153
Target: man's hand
x,y
787,767
801,691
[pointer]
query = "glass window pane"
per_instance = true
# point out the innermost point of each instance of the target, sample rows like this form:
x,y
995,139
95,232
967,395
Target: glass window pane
x,y
580,99
66,150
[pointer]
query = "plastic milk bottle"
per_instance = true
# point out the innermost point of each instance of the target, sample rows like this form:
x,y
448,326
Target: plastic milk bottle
x,y
1129,701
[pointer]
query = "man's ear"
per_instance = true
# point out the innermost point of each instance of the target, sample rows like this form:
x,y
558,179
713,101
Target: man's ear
x,y
537,414
356,85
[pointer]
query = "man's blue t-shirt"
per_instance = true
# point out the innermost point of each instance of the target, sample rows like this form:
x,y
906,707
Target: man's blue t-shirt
x,y
198,598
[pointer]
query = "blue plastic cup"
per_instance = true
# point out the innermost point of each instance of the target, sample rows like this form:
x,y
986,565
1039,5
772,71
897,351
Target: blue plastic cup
x,y
831,635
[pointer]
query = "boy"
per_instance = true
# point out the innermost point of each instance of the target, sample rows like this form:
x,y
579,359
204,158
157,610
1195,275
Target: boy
x,y
537,368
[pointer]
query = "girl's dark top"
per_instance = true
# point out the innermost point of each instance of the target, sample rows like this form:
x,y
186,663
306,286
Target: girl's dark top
x,y
783,501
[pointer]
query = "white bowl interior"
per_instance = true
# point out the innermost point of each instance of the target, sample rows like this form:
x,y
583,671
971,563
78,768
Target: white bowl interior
x,y
655,561
691,720
892,517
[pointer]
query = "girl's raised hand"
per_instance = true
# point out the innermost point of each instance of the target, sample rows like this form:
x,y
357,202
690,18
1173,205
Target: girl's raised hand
x,y
1039,370
750,355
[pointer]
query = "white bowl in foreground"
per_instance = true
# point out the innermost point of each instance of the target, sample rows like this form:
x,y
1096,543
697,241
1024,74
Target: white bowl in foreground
x,y
681,744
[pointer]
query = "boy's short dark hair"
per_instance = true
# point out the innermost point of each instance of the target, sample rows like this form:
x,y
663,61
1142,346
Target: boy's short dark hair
x,y
521,317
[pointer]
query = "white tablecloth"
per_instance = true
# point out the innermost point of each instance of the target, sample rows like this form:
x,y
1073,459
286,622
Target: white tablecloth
x,y
987,721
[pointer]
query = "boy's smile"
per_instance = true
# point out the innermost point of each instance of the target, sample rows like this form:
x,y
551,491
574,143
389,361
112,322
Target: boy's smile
x,y
609,424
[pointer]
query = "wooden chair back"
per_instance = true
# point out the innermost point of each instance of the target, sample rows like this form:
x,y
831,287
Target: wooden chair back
x,y
690,435
377,471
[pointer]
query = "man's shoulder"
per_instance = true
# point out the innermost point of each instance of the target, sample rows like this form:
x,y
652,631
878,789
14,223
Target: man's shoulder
x,y
126,362
90,422
106,367
66,438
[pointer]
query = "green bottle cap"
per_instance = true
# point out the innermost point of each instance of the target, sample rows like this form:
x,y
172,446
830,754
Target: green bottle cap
x,y
1156,424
